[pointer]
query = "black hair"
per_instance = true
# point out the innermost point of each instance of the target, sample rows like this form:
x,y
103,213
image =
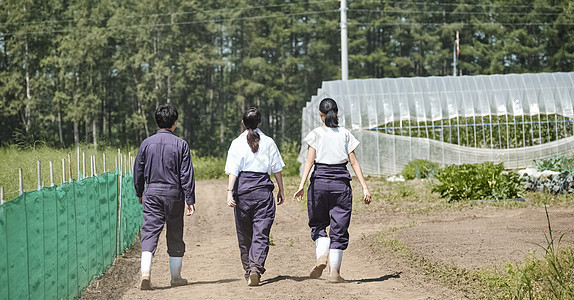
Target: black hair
x,y
329,107
252,119
166,115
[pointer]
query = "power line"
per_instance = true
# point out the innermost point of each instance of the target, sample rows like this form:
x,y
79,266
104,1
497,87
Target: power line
x,y
454,12
463,5
221,10
461,23
217,21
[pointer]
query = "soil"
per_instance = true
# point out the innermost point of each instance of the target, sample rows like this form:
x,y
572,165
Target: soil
x,y
472,238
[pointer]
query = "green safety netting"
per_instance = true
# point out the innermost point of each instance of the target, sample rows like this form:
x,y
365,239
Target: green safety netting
x,y
131,217
57,240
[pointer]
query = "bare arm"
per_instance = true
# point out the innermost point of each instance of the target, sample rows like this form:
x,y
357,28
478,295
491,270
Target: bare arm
x,y
357,168
230,185
280,193
308,165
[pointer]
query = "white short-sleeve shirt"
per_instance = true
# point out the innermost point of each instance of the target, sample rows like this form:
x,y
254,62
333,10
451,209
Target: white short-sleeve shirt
x,y
240,157
333,144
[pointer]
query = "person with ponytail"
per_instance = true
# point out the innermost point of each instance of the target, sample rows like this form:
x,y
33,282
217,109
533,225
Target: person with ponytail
x,y
251,158
329,197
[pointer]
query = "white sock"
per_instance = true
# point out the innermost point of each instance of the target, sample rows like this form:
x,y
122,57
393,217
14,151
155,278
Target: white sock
x,y
322,245
175,267
335,259
146,263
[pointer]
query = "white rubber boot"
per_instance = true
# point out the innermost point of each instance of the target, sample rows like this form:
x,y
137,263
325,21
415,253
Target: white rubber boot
x,y
175,270
322,245
335,259
145,283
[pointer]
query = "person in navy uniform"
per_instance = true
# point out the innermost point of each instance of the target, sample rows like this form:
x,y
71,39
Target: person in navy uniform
x,y
164,164
329,197
251,158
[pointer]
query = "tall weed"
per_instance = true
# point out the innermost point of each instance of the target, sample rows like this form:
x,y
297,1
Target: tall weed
x,y
549,278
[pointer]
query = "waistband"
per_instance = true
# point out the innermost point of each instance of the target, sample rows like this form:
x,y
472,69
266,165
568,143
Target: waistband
x,y
331,172
343,165
162,185
249,173
250,181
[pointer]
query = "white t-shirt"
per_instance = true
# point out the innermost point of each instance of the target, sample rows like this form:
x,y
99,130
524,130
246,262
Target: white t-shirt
x,y
333,145
240,157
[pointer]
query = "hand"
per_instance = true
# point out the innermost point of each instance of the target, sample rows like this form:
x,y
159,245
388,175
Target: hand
x,y
230,200
140,198
366,196
299,194
190,210
280,198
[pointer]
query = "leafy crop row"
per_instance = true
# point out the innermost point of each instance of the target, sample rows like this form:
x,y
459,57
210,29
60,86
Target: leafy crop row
x,y
484,181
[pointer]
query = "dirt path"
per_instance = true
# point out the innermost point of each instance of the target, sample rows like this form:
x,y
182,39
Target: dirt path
x,y
474,237
213,267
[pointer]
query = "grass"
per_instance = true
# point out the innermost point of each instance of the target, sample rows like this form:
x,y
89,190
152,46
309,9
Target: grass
x,y
13,158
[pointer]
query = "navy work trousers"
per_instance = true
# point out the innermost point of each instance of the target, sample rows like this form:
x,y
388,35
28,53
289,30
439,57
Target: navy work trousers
x,y
254,215
163,204
329,203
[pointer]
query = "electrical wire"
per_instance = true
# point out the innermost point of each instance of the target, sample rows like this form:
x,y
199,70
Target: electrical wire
x,y
221,10
458,4
457,23
455,12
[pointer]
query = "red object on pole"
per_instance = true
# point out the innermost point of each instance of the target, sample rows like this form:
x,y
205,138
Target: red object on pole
x,y
457,44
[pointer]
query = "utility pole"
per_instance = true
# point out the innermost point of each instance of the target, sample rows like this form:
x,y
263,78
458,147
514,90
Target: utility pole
x,y
344,59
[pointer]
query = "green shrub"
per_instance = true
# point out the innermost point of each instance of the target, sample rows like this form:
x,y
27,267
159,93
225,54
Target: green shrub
x,y
484,181
208,167
289,153
420,168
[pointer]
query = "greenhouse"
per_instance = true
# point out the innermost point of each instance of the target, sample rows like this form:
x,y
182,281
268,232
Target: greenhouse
x,y
512,118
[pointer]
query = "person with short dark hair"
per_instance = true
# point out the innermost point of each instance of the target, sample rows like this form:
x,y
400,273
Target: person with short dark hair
x,y
329,197
252,157
163,164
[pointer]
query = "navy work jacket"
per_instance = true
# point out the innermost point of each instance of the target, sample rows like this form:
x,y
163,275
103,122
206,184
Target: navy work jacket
x,y
164,158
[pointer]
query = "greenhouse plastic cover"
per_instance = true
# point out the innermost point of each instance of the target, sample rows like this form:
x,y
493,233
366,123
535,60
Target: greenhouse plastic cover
x,y
512,118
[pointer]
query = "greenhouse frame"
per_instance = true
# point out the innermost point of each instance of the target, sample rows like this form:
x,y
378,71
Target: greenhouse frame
x,y
513,118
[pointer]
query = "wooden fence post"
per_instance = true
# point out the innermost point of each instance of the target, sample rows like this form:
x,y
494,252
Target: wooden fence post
x,y
83,165
119,206
39,176
78,162
63,170
70,167
21,181
91,166
51,174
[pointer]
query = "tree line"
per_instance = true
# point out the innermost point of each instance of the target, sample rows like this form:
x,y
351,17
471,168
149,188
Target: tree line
x,y
87,71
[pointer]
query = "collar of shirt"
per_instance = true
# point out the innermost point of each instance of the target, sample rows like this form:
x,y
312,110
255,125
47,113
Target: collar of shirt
x,y
256,130
164,131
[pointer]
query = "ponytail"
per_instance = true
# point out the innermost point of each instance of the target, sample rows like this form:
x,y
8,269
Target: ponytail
x,y
331,119
253,140
252,119
329,108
